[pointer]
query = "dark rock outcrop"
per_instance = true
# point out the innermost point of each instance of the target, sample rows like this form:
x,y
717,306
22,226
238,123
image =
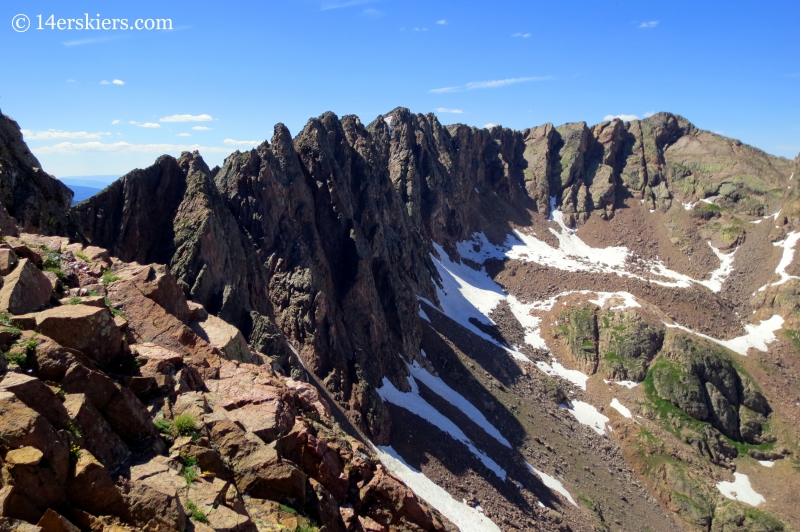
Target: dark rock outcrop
x,y
39,202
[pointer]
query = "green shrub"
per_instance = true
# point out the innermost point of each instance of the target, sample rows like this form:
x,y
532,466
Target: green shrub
x,y
185,425
195,514
163,426
16,356
15,332
81,255
189,470
109,277
75,301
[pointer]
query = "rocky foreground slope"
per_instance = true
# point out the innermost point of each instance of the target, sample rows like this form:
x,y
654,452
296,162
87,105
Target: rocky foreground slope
x,y
124,407
572,327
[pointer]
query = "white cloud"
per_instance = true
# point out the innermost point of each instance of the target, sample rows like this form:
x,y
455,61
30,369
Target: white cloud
x,y
184,134
442,22
105,82
650,24
445,89
70,147
231,142
490,125
52,134
187,118
624,118
349,3
648,114
523,35
150,125
115,121
418,29
201,128
118,82
446,110
503,82
70,81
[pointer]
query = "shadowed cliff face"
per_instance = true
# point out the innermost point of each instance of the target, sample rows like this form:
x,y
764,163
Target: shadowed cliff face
x,y
325,239
39,202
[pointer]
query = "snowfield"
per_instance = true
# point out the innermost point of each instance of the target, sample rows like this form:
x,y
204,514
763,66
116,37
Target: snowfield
x,y
756,336
552,483
740,490
588,415
414,403
466,518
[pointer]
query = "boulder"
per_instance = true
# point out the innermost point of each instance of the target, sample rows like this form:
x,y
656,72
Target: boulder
x,y
129,417
52,521
51,360
21,426
157,283
192,403
8,261
259,472
37,395
99,388
27,456
223,519
119,405
25,289
90,330
225,337
94,432
91,488
151,509
35,478
96,254
24,252
268,420
149,322
8,225
15,505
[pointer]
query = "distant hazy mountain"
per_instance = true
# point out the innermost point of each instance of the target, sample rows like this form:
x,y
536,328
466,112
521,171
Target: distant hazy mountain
x,y
85,187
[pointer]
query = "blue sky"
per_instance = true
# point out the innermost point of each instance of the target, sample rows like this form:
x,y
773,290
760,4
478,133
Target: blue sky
x,y
237,68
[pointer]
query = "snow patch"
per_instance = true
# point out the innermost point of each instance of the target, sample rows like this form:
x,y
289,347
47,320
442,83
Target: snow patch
x,y
467,294
689,206
440,388
766,463
756,336
467,519
555,369
740,490
588,415
787,257
628,300
552,483
414,403
622,409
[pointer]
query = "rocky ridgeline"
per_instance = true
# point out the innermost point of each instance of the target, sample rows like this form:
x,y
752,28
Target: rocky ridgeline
x,y
126,407
325,239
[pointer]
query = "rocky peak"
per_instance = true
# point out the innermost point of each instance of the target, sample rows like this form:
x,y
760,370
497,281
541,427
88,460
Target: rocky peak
x,y
37,200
